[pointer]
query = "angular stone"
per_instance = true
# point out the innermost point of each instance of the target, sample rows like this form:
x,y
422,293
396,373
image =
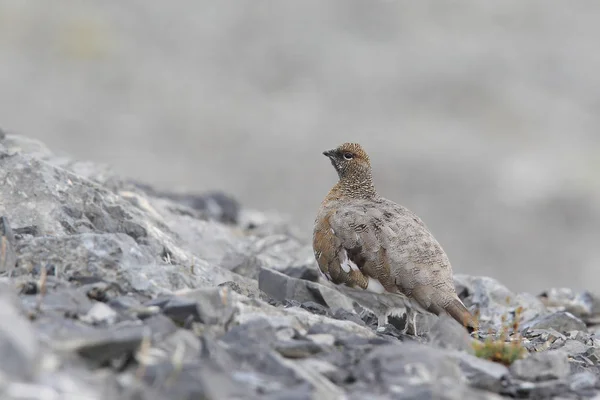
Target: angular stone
x,y
543,339
19,348
213,205
494,301
446,333
483,374
100,313
70,301
99,346
86,254
305,272
257,332
561,321
583,382
124,303
574,347
8,258
578,304
282,287
407,364
241,263
324,368
552,389
298,348
322,339
208,306
548,365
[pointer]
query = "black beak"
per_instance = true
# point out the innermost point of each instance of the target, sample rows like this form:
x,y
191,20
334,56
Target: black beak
x,y
329,153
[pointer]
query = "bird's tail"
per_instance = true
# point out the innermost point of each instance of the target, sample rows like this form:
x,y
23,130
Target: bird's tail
x,y
459,312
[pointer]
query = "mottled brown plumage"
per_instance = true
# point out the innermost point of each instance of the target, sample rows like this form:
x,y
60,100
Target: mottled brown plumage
x,y
363,240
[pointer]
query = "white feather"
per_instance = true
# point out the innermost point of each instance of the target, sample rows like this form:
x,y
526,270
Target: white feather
x,y
375,286
347,264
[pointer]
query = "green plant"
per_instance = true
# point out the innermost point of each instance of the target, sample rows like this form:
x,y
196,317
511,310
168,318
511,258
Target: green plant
x,y
504,348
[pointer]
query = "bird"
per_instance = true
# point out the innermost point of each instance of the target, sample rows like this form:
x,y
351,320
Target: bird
x,y
371,245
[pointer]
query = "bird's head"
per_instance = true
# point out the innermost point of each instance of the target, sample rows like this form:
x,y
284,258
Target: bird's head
x,y
349,160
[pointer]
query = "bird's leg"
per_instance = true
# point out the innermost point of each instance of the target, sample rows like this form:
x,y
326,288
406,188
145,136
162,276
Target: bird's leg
x,y
414,322
407,313
411,322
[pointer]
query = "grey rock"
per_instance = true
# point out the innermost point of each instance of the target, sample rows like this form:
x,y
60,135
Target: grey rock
x,y
530,307
208,306
407,364
341,335
100,313
484,292
91,228
322,339
234,248
578,304
543,339
179,347
97,345
483,374
296,318
584,305
259,332
252,354
124,303
64,301
243,264
159,326
139,294
310,306
100,290
305,272
593,355
537,367
282,287
249,289
349,316
561,321
213,205
88,254
324,368
19,348
583,382
574,347
494,301
553,389
322,387
298,348
8,258
446,333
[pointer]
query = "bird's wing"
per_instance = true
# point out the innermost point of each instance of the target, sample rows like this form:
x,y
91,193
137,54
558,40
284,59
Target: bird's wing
x,y
348,249
380,245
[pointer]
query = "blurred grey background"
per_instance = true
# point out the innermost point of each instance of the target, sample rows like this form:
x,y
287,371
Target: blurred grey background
x,y
482,117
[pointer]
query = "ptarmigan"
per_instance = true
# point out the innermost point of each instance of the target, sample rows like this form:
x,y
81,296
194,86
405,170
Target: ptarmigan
x,y
366,242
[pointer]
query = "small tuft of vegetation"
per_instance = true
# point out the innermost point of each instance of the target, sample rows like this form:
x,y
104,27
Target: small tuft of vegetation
x,y
506,346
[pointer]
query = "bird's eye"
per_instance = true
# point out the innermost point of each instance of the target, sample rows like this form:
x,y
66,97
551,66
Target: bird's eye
x,y
348,156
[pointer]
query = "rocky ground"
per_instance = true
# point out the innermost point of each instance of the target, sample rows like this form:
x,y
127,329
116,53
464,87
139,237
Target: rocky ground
x,y
113,290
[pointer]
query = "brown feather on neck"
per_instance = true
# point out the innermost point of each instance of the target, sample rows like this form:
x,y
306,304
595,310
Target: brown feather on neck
x,y
354,187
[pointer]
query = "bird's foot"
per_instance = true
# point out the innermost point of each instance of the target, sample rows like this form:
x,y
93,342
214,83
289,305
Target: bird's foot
x,y
381,323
